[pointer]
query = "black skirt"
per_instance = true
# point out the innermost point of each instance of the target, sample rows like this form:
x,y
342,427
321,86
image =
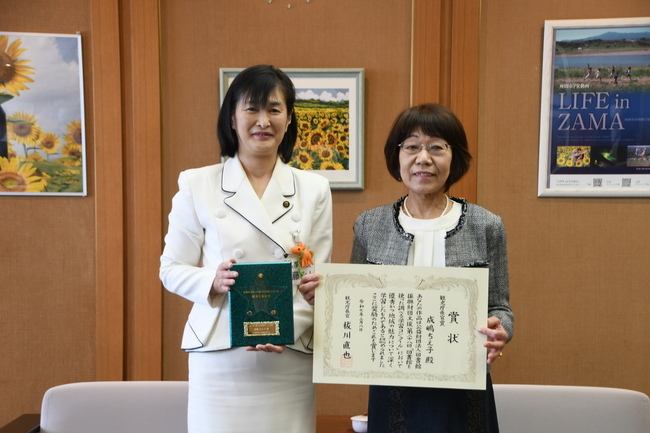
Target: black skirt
x,y
429,410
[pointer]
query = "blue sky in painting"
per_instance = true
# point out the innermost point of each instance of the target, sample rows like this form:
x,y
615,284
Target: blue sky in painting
x,y
54,97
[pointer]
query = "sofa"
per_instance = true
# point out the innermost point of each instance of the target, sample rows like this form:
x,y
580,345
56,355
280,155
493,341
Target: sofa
x,y
161,407
571,409
115,407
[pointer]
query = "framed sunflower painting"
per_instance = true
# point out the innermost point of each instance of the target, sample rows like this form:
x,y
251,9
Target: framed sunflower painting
x,y
42,141
329,111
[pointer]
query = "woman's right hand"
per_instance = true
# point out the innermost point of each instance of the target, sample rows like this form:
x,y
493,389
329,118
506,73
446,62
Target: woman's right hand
x,y
224,278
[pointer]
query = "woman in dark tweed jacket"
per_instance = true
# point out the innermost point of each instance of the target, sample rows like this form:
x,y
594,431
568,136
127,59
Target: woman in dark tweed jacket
x,y
427,151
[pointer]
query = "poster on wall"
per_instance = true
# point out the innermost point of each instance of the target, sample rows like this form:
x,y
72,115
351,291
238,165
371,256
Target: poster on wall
x,y
329,111
595,114
42,140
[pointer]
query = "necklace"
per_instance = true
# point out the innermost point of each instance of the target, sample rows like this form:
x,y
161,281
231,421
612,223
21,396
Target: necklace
x,y
408,214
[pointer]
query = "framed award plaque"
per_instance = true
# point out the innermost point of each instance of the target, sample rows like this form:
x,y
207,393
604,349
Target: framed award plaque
x,y
261,304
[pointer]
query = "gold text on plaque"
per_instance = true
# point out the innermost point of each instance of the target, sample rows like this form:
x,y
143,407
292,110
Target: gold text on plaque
x,y
261,329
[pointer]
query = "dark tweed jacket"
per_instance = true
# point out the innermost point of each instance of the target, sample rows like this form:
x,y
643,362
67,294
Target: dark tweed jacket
x,y
479,240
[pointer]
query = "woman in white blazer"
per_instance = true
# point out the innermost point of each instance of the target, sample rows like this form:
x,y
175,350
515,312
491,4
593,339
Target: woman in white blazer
x,y
252,208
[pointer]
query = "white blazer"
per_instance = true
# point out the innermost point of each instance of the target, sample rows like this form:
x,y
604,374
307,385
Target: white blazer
x,y
216,215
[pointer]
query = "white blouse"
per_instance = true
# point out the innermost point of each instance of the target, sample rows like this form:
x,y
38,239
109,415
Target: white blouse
x,y
428,247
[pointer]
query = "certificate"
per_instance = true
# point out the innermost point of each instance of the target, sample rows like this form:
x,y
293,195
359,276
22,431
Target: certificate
x,y
261,304
401,326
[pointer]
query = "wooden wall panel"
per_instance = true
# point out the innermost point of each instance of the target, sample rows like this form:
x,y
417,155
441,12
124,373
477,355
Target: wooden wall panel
x,y
107,127
47,255
190,79
141,89
79,302
321,34
80,294
578,266
431,51
444,68
463,84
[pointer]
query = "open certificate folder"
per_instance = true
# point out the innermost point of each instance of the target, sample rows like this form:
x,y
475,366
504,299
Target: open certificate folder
x,y
401,325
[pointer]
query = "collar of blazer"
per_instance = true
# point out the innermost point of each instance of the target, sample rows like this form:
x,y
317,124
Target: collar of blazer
x,y
277,201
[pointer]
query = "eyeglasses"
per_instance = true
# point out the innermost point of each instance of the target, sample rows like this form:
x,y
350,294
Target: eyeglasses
x,y
437,149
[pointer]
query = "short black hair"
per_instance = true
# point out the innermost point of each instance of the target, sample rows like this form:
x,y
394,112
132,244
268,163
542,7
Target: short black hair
x,y
435,120
255,84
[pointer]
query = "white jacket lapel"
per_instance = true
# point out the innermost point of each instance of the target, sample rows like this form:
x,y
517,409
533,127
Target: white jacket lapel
x,y
276,202
278,198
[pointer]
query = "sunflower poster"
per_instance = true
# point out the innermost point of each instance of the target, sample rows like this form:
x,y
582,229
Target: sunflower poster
x,y
42,141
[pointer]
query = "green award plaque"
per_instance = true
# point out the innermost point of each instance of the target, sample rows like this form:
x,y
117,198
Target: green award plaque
x,y
261,304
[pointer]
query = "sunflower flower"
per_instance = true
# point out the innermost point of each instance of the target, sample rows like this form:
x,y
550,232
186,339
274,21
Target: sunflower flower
x,y
34,157
74,134
70,155
48,142
16,177
316,137
304,160
331,138
22,128
13,72
329,165
325,153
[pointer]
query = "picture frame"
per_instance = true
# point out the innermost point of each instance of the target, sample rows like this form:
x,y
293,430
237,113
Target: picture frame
x,y
42,132
329,110
595,109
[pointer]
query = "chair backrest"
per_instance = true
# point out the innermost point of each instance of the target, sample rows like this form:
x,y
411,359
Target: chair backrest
x,y
574,409
115,407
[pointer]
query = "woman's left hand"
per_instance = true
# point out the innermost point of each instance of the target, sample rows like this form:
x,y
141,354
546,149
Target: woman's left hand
x,y
266,348
307,287
497,338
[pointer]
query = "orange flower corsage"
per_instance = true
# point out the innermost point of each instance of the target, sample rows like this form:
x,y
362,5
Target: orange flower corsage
x,y
305,256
